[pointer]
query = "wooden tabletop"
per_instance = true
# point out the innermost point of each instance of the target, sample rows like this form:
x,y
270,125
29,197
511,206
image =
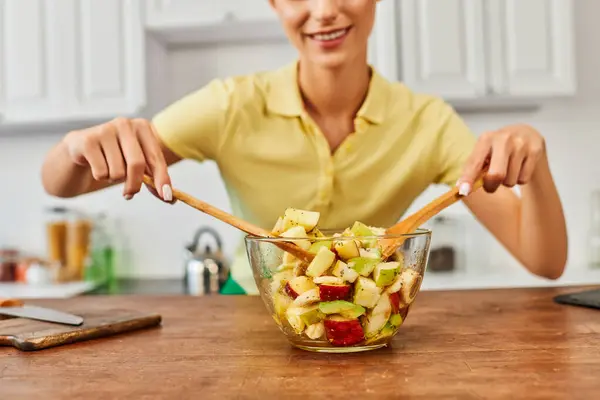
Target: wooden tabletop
x,y
462,344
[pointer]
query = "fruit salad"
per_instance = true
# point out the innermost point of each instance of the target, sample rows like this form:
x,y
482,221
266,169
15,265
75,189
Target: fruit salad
x,y
348,295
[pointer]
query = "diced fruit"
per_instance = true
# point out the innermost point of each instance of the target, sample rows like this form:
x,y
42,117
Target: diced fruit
x,y
371,253
411,283
311,315
299,269
378,317
342,270
314,248
306,298
334,292
377,231
386,332
396,320
366,293
288,258
316,233
395,301
342,331
346,249
278,228
298,285
384,273
293,317
364,266
321,263
344,308
328,280
295,217
315,331
395,286
297,232
281,303
280,279
360,229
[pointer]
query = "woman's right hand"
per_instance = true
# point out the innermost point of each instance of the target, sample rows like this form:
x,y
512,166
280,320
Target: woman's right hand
x,y
122,150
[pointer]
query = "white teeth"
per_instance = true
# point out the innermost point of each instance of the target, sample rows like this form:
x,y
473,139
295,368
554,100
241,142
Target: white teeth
x,y
330,36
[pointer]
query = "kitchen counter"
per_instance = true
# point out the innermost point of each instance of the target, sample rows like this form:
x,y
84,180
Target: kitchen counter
x,y
472,344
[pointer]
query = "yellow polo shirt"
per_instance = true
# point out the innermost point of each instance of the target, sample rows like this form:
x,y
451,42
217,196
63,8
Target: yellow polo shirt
x,y
272,155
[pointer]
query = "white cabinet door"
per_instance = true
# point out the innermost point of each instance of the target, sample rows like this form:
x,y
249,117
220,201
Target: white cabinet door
x,y
29,65
383,46
442,47
532,47
164,14
106,57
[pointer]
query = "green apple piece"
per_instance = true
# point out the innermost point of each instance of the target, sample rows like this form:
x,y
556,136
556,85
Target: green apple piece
x,y
362,265
293,317
366,292
315,331
387,331
311,315
385,273
321,263
342,270
297,232
347,249
396,320
360,229
344,308
371,253
314,248
306,219
281,303
378,316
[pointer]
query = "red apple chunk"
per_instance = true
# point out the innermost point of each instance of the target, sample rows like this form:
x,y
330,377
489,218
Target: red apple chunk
x,y
334,292
343,332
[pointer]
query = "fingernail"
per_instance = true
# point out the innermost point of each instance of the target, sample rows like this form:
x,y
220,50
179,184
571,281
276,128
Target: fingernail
x,y
464,189
128,197
167,193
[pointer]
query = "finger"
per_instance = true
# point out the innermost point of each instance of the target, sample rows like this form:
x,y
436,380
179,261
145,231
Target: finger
x,y
501,152
134,159
95,158
527,170
155,193
154,159
514,167
112,153
477,160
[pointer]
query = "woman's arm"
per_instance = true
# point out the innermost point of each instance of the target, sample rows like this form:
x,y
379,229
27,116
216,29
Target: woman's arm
x,y
118,151
532,227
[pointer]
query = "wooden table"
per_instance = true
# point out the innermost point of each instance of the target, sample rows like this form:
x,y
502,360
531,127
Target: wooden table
x,y
462,345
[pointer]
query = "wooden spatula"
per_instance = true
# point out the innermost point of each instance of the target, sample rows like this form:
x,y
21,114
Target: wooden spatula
x,y
236,222
411,223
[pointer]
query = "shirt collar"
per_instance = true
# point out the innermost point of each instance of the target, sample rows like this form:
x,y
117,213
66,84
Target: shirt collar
x,y
284,97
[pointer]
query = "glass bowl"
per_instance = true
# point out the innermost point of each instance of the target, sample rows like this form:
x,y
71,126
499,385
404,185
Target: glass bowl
x,y
348,299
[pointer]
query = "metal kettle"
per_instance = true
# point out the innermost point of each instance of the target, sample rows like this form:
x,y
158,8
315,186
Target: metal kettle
x,y
206,269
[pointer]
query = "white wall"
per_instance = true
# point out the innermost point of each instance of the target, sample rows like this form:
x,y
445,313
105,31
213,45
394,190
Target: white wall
x,y
156,233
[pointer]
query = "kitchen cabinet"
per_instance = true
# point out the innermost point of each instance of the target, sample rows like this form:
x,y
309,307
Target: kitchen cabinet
x,y
71,60
208,21
473,49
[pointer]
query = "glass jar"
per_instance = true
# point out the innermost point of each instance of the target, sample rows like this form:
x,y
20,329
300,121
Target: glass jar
x,y
447,244
57,222
9,259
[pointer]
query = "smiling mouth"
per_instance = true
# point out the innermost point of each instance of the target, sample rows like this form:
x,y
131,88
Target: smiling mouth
x,y
329,36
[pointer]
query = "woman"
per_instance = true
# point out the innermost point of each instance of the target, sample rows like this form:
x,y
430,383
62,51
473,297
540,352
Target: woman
x,y
327,133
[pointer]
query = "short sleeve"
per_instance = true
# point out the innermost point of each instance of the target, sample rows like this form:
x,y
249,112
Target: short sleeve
x,y
192,127
455,144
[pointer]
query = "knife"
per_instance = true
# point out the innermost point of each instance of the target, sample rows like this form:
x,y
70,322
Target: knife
x,y
16,308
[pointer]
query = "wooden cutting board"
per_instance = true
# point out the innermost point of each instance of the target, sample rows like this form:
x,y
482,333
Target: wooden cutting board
x,y
30,335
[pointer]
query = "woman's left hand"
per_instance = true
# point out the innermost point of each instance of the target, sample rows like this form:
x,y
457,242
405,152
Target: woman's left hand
x,y
512,155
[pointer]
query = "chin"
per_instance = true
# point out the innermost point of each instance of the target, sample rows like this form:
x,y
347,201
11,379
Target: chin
x,y
331,61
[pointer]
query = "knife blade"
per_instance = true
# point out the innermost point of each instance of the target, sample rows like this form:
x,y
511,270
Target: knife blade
x,y
42,314
16,308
